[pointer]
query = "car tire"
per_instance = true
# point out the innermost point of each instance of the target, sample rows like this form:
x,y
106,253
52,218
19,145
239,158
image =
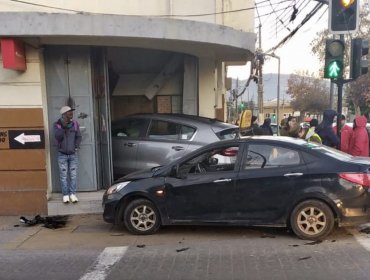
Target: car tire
x,y
141,217
312,220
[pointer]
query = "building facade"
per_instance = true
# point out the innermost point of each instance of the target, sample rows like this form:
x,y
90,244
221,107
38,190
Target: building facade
x,y
106,59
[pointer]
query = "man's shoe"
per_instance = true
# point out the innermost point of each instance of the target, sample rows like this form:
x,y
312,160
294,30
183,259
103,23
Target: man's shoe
x,y
73,198
65,198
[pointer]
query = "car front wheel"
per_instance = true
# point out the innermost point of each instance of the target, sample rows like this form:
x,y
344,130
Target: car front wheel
x,y
312,220
141,217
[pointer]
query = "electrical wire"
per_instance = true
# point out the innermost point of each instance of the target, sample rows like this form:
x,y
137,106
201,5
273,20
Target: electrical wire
x,y
304,21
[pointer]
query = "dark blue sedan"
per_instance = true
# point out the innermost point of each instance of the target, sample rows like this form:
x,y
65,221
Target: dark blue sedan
x,y
268,181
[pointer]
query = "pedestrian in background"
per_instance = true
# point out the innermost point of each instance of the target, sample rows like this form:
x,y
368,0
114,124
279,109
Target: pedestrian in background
x,y
254,129
345,134
325,129
266,127
359,142
308,134
68,136
290,128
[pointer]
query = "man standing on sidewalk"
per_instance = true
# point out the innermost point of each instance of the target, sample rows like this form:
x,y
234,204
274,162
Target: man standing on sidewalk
x,y
68,136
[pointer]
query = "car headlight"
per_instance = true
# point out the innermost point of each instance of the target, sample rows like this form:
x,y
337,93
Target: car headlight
x,y
117,187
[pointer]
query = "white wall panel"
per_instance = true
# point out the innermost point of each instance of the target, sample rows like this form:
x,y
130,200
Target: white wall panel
x,y
20,95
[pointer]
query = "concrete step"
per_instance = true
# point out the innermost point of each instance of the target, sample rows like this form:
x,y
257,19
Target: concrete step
x,y
88,203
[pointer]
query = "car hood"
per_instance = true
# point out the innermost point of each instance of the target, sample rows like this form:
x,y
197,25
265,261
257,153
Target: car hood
x,y
141,174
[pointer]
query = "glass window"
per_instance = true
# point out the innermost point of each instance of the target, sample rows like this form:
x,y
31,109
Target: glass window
x,y
269,156
187,132
214,160
129,128
230,133
164,130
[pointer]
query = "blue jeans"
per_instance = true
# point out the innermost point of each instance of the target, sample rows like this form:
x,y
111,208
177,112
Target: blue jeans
x,y
68,166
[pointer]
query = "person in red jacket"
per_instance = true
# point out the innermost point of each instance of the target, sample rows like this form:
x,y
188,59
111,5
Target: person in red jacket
x,y
359,143
345,134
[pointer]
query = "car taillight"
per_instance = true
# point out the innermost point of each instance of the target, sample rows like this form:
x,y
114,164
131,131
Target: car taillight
x,y
357,178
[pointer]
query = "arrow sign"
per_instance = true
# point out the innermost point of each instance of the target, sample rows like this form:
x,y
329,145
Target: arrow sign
x,y
26,139
22,138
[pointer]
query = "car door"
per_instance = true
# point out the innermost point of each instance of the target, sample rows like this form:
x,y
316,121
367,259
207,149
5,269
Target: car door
x,y
165,142
126,137
204,189
268,177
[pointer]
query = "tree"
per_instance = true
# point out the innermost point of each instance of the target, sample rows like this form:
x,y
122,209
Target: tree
x,y
308,93
356,92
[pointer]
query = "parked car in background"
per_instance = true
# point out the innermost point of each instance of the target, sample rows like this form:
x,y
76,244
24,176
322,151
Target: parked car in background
x,y
269,181
143,141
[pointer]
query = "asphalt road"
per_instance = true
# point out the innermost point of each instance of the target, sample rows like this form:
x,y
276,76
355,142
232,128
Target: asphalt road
x,y
90,249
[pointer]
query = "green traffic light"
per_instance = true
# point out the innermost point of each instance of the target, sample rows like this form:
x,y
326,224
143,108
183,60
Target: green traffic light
x,y
334,69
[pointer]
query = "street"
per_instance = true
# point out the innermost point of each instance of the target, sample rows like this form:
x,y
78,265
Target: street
x,y
88,248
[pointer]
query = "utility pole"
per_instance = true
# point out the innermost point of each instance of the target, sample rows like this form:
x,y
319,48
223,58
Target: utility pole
x,y
260,78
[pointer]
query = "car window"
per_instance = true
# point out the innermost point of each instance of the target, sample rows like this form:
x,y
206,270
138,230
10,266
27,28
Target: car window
x,y
212,160
164,130
129,128
269,156
226,134
170,131
187,132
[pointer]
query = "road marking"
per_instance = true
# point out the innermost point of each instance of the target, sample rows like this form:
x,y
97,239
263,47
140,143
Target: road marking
x,y
100,268
361,238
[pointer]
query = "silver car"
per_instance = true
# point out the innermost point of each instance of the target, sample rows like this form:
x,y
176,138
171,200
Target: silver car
x,y
143,141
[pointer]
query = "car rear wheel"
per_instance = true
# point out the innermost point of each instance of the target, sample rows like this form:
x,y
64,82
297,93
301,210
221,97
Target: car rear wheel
x,y
141,217
312,220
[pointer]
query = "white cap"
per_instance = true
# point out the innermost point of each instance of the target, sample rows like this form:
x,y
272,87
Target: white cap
x,y
65,109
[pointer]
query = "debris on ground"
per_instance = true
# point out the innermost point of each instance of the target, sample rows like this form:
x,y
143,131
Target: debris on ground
x,y
182,249
365,230
52,222
304,258
267,235
140,245
313,243
293,245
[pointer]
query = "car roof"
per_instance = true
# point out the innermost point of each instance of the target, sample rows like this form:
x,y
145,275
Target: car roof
x,y
184,118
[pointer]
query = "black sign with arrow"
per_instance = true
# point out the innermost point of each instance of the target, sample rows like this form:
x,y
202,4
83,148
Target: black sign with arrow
x,y
26,139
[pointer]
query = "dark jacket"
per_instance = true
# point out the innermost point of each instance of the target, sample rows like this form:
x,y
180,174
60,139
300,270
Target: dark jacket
x,y
266,127
325,129
253,130
68,139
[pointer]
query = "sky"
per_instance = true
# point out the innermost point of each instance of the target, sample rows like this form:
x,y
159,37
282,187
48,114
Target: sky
x,y
295,54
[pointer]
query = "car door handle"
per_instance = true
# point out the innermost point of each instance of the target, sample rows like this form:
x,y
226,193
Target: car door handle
x,y
129,144
222,180
293,174
177,148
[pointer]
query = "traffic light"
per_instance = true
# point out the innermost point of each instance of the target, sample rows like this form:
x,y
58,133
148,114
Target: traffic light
x,y
334,54
242,105
359,63
343,16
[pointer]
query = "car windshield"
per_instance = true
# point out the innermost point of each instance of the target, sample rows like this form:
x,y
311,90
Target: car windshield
x,y
334,153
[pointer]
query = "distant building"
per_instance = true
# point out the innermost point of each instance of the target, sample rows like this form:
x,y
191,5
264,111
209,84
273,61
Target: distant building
x,y
270,110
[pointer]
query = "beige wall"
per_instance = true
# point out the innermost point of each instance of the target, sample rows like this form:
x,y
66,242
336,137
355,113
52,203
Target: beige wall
x,y
207,85
242,20
21,89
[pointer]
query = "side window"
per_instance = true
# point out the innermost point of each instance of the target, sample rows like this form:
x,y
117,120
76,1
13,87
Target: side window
x,y
268,156
214,160
129,128
187,132
164,130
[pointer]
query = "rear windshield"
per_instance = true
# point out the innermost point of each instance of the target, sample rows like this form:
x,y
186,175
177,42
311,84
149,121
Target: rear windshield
x,y
331,152
228,134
